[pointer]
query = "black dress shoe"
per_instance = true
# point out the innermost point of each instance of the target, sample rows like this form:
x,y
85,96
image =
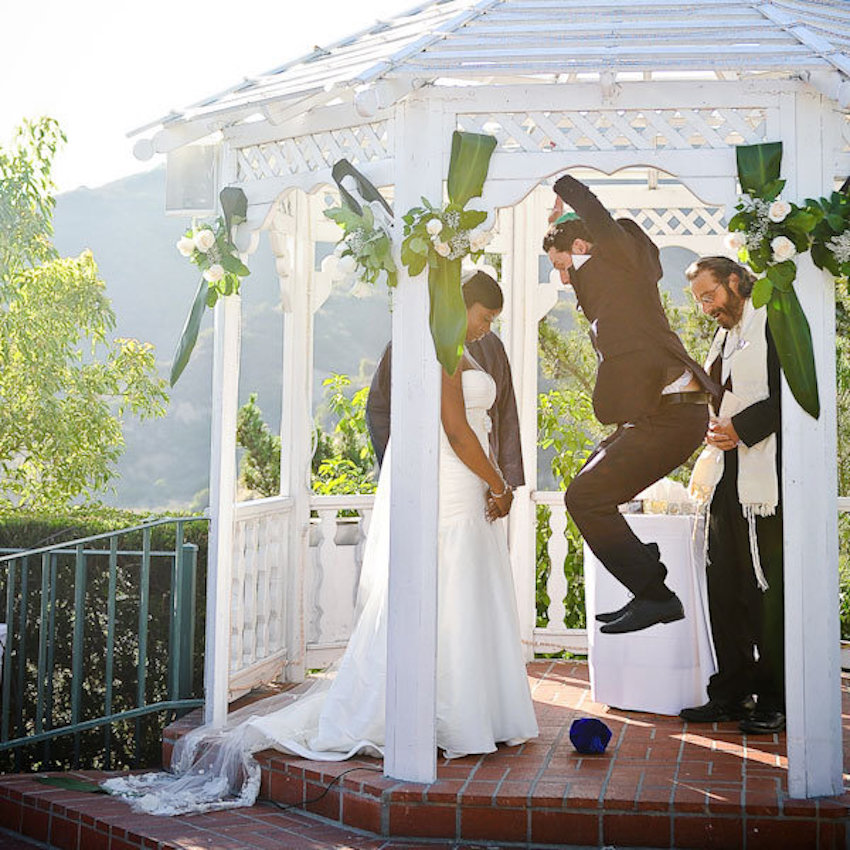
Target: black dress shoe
x,y
763,722
719,711
610,616
643,613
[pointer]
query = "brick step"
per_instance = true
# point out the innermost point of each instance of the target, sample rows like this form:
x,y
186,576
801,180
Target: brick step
x,y
660,783
67,820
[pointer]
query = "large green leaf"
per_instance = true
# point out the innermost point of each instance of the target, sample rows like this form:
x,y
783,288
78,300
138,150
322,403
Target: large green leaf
x,y
793,337
343,168
234,205
470,160
758,167
189,336
447,315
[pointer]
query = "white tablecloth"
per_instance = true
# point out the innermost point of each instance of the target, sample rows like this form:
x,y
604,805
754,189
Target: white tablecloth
x,y
666,667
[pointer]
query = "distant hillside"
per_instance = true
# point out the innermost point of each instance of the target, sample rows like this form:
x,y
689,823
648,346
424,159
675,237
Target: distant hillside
x,y
150,285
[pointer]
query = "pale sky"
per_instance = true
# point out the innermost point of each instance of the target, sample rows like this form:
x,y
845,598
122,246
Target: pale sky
x,y
105,67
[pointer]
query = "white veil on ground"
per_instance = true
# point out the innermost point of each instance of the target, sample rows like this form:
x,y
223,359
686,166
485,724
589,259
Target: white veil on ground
x,y
213,767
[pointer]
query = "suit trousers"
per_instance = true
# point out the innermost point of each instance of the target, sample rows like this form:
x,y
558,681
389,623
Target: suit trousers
x,y
636,455
747,624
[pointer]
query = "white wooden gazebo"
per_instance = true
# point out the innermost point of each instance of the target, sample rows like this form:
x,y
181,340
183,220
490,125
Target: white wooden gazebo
x,y
647,85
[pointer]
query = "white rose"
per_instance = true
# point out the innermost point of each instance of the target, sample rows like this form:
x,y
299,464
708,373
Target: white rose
x,y
204,240
346,265
783,249
186,246
443,248
341,246
778,211
735,241
214,273
434,226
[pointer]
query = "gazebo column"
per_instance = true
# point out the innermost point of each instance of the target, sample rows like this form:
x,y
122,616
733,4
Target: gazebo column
x,y
410,752
519,279
225,387
292,243
812,655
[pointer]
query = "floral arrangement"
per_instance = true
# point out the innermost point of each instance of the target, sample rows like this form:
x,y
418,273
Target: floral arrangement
x,y
210,249
767,233
438,238
450,232
365,250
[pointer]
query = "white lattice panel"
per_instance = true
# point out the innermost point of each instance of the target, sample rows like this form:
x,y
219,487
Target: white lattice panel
x,y
683,221
620,129
310,153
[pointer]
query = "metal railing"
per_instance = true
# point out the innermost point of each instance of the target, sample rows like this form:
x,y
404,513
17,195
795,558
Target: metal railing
x,y
94,597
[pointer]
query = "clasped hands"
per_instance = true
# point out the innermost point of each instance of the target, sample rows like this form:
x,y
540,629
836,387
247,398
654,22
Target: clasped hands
x,y
498,505
721,433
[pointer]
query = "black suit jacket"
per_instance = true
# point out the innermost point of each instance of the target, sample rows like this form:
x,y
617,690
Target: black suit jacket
x,y
490,354
617,290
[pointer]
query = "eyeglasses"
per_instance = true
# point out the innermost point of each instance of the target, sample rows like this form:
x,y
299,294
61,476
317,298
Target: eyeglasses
x,y
708,297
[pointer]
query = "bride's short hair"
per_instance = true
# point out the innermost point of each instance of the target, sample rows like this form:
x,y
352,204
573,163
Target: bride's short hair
x,y
480,288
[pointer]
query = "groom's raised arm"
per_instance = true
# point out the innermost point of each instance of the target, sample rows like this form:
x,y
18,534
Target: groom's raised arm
x,y
604,229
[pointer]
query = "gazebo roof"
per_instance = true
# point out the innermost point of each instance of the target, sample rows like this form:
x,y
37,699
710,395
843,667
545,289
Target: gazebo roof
x,y
500,41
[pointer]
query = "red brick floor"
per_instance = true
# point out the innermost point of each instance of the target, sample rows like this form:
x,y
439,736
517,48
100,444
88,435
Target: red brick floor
x,y
660,783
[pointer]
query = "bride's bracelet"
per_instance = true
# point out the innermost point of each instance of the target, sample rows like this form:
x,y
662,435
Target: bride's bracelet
x,y
504,492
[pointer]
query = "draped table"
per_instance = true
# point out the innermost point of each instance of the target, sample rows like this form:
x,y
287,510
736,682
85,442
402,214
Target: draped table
x,y
666,667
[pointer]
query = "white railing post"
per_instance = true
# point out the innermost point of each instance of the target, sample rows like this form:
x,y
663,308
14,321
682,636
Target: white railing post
x,y
225,385
410,752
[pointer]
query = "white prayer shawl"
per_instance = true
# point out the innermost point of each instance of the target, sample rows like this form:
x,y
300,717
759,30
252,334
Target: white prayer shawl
x,y
758,482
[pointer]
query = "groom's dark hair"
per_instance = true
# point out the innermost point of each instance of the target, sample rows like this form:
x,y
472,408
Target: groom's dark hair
x,y
480,288
561,235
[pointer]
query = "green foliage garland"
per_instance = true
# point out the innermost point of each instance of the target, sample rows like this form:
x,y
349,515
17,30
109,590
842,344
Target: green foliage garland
x,y
767,233
440,237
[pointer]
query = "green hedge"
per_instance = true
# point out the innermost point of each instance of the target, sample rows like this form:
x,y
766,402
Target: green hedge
x,y
24,530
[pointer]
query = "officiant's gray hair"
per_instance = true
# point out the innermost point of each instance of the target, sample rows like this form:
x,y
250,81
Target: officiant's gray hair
x,y
480,288
721,268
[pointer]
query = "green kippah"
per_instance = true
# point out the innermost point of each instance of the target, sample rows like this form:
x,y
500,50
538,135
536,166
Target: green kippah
x,y
569,216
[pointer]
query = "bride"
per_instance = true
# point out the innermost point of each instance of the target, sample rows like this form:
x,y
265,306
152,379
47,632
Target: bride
x,y
483,696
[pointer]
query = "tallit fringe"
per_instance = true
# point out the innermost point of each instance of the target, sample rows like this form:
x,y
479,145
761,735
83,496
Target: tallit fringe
x,y
750,514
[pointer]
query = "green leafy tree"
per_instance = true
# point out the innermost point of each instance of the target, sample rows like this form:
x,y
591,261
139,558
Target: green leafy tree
x,y
65,386
344,460
259,468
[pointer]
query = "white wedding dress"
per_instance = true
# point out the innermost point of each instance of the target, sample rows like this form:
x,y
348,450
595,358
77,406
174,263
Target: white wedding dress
x,y
483,696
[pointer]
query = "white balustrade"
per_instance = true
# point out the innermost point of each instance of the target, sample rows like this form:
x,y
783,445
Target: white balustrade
x,y
336,555
333,572
257,647
555,636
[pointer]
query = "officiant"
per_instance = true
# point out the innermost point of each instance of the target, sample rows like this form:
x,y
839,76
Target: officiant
x,y
484,300
744,565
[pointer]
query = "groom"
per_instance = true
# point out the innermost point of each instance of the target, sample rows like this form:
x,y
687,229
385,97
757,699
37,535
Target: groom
x,y
646,385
